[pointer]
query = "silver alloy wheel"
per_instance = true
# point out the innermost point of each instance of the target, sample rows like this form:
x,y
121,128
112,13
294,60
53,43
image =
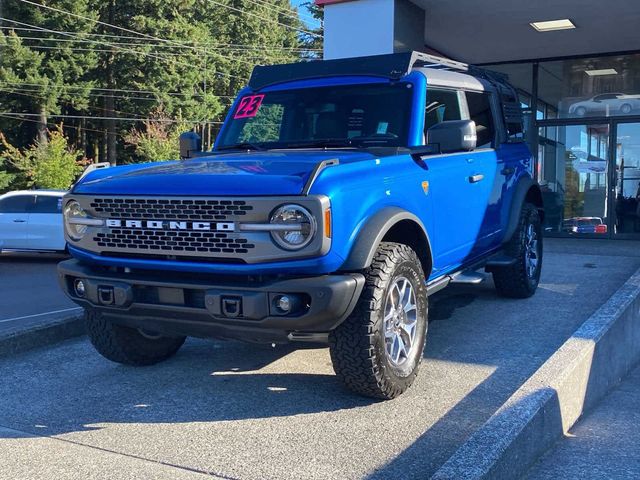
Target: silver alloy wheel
x,y
531,254
400,321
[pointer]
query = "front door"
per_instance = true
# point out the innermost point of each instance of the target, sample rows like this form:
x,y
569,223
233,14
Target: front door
x,y
14,221
460,185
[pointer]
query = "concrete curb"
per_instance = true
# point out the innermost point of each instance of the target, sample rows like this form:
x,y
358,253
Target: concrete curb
x,y
51,329
547,405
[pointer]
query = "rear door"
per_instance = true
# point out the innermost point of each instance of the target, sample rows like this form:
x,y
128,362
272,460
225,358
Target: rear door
x,y
486,170
459,184
45,231
14,220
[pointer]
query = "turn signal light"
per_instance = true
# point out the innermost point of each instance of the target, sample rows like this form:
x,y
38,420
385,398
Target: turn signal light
x,y
327,223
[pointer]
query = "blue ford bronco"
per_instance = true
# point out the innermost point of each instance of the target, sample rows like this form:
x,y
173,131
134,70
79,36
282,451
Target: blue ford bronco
x,y
338,196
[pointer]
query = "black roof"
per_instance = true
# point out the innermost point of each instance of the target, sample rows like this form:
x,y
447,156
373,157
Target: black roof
x,y
393,66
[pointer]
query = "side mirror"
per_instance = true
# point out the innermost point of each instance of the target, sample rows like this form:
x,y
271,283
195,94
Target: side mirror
x,y
453,136
190,143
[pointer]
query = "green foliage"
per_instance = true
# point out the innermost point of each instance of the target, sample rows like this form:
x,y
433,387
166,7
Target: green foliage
x,y
5,177
188,59
52,164
157,141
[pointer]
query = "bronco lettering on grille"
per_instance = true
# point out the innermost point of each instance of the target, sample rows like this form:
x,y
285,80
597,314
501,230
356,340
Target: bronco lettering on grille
x,y
172,225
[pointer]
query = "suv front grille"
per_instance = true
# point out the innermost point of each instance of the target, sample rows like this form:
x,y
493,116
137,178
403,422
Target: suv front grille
x,y
174,241
171,209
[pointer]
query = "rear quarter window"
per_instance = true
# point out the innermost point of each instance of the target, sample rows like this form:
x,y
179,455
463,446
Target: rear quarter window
x,y
47,204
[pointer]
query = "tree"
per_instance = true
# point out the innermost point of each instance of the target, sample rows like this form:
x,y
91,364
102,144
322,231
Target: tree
x,y
186,58
51,164
47,72
158,140
314,42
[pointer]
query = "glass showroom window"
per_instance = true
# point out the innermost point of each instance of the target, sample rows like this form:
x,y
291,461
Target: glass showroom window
x,y
589,87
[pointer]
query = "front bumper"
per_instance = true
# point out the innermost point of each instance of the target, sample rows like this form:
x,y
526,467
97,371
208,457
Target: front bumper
x,y
227,307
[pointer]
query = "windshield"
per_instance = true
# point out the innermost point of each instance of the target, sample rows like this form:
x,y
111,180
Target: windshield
x,y
335,116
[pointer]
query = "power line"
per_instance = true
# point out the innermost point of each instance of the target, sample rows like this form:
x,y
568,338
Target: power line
x,y
287,12
123,119
115,46
257,16
229,46
211,46
116,90
55,124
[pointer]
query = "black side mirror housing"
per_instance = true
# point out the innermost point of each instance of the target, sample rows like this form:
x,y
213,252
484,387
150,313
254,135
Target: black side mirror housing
x,y
453,136
190,143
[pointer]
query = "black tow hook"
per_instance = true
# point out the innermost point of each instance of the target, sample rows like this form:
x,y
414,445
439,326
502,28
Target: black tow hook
x,y
106,295
231,306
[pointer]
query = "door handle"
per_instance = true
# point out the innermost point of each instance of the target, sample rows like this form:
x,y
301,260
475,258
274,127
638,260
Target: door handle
x,y
17,220
476,178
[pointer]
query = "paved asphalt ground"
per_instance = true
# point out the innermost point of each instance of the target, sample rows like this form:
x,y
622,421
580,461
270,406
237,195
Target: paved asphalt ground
x,y
604,444
254,412
29,291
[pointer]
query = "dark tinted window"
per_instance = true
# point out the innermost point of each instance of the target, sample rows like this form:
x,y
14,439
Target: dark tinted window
x,y
513,118
48,204
480,112
442,105
17,204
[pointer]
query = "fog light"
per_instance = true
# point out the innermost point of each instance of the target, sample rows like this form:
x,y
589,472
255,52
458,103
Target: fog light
x,y
284,303
79,287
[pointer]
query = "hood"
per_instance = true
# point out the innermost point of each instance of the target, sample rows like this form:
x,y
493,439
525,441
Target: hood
x,y
238,173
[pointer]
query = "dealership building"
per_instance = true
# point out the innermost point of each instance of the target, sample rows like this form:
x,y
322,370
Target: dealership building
x,y
576,65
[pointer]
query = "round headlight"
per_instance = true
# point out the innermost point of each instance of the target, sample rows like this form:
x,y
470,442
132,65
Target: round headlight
x,y
73,211
294,227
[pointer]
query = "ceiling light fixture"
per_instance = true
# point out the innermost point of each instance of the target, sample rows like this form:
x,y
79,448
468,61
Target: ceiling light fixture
x,y
603,71
551,25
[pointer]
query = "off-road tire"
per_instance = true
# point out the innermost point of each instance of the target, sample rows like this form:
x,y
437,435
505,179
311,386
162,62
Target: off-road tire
x,y
513,281
357,346
127,345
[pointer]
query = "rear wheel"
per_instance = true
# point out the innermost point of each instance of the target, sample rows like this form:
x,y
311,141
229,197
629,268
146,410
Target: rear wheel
x,y
377,350
520,280
128,345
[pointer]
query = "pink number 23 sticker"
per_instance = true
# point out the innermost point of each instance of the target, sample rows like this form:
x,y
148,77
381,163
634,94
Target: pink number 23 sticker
x,y
248,106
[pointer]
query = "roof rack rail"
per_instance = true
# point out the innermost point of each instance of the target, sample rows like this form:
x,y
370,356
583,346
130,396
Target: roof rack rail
x,y
393,66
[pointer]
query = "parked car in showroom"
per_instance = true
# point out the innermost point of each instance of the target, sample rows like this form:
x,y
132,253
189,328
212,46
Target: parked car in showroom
x,y
585,225
31,220
605,103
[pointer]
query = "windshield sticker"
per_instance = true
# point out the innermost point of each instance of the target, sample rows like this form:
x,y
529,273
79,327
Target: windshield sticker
x,y
249,106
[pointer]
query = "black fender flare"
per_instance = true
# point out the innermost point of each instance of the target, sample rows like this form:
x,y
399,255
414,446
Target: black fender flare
x,y
374,231
527,190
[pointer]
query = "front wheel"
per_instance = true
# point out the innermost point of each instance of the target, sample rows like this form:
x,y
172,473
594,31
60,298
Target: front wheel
x,y
521,279
127,345
377,350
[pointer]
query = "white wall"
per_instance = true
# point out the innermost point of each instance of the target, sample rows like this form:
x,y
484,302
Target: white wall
x,y
355,29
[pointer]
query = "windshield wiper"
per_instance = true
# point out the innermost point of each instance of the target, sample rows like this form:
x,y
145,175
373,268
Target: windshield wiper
x,y
242,146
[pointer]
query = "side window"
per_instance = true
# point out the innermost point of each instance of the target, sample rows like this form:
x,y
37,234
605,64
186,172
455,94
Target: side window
x,y
513,118
47,204
442,105
17,204
480,112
